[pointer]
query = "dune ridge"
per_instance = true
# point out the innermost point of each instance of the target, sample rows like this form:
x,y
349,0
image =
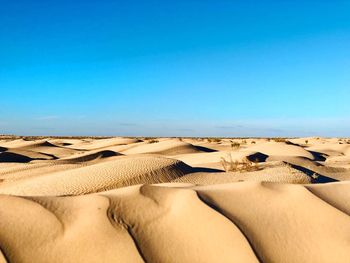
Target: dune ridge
x,y
245,222
99,177
174,200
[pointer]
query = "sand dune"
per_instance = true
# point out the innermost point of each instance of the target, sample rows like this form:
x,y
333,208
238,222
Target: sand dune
x,y
171,200
19,171
168,147
102,143
276,161
99,177
14,157
214,159
43,147
90,156
23,156
242,222
332,149
282,173
281,148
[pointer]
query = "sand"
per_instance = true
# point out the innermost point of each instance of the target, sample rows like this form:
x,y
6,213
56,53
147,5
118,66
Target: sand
x,y
174,200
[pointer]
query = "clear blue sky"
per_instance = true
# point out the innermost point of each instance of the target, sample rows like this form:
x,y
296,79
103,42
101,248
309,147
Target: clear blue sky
x,y
181,68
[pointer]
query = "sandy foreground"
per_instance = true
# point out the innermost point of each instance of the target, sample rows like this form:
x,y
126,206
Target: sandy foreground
x,y
174,200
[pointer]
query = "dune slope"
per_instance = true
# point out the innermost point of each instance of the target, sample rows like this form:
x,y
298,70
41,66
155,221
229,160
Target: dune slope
x,y
99,177
241,222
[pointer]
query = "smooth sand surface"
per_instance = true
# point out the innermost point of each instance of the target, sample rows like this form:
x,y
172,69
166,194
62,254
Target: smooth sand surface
x,y
174,200
238,222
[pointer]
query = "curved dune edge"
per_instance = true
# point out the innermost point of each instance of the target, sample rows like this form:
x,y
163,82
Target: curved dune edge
x,y
323,157
102,143
22,156
239,222
98,177
90,156
166,147
281,148
282,174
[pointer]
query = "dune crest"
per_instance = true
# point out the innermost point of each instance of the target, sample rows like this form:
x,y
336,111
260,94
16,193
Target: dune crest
x,y
174,200
99,177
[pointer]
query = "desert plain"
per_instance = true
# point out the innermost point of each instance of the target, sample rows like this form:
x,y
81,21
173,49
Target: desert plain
x,y
83,199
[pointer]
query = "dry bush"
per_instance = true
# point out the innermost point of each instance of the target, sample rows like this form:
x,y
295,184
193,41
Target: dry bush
x,y
235,166
153,141
279,139
314,177
253,142
235,145
214,139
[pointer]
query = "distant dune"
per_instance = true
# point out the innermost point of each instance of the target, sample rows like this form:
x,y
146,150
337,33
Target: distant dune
x,y
174,200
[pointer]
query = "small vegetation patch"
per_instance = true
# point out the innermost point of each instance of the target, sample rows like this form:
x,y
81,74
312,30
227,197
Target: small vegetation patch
x,y
235,145
314,177
239,166
279,139
214,140
153,141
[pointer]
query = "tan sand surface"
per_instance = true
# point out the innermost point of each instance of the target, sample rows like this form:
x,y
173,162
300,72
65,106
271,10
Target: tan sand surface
x,y
237,222
174,200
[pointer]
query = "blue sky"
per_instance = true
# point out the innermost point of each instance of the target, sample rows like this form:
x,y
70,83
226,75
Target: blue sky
x,y
175,68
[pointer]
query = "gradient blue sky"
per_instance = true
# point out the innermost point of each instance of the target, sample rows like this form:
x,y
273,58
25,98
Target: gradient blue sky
x,y
175,68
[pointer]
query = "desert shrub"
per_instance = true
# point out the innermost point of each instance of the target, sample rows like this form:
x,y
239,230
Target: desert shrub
x,y
235,145
306,141
214,139
153,141
253,142
235,166
244,141
314,177
279,139
229,165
